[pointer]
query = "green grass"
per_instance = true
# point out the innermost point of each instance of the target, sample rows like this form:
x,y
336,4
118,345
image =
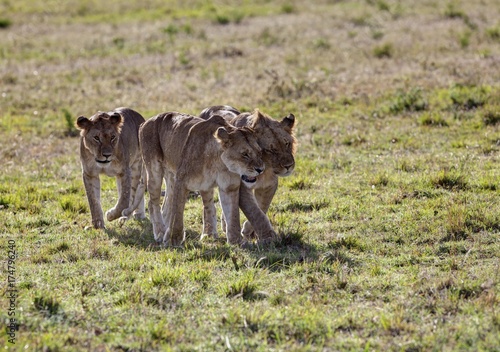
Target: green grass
x,y
389,227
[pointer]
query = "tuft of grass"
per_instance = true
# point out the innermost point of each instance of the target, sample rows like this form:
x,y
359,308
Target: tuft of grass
x,y
73,204
353,140
464,39
299,184
433,119
493,33
244,287
408,101
71,130
5,23
468,98
288,8
381,179
491,115
46,304
449,180
456,223
222,19
452,11
385,50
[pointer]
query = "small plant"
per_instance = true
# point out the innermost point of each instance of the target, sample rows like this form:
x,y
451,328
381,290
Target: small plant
x,y
408,101
380,180
452,11
321,43
164,277
299,184
468,98
46,304
464,39
456,222
287,8
433,119
244,287
119,42
5,23
449,180
377,35
383,51
491,116
73,204
71,130
353,140
171,30
222,19
493,33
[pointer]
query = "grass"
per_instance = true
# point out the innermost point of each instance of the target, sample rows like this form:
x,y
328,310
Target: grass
x,y
389,227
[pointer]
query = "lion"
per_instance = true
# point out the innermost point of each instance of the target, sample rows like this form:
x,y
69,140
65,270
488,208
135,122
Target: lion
x,y
193,154
278,145
109,145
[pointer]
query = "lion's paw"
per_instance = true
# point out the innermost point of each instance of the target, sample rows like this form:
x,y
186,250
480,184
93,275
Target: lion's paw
x,y
248,232
113,214
122,220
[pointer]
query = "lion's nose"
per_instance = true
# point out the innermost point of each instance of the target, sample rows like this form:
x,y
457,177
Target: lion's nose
x,y
259,170
107,155
289,166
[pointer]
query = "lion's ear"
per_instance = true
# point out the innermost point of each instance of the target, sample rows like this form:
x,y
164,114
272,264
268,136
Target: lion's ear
x,y
83,123
288,122
257,118
116,119
222,136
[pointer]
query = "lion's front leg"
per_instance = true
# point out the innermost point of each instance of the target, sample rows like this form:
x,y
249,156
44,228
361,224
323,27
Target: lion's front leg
x,y
264,197
209,214
229,203
93,190
123,185
256,216
174,236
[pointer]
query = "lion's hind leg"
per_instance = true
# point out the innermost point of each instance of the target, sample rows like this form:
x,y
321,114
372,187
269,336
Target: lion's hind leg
x,y
209,215
136,196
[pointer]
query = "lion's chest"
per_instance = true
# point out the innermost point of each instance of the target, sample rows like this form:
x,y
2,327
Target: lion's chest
x,y
111,169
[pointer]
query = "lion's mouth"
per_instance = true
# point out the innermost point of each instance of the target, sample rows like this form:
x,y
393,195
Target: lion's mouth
x,y
103,161
248,179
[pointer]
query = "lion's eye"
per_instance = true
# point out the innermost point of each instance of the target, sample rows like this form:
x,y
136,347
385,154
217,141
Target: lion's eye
x,y
96,138
245,156
113,138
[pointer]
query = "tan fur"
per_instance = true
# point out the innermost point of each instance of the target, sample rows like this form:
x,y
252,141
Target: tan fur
x,y
278,144
109,145
193,154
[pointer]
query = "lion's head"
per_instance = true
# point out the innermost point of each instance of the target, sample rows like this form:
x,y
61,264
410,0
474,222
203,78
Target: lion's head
x,y
100,135
276,140
241,153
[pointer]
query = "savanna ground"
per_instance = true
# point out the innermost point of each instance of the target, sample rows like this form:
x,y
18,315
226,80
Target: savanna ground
x,y
390,225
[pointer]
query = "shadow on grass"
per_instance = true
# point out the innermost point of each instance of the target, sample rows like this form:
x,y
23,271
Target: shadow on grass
x,y
135,233
289,249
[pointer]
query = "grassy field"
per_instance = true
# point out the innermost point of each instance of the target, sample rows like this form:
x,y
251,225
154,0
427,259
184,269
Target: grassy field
x,y
390,225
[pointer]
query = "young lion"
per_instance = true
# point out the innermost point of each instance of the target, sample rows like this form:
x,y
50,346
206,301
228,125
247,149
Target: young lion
x,y
193,154
278,145
109,145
